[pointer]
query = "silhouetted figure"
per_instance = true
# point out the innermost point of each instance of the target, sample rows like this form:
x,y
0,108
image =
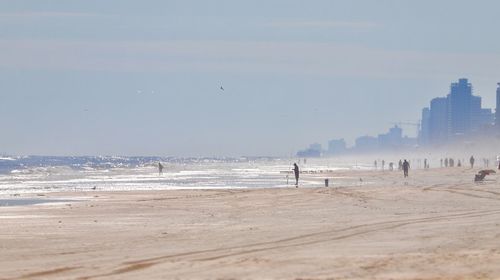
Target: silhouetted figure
x,y
441,163
296,172
425,163
446,162
400,165
383,165
406,167
375,164
459,164
391,166
472,160
452,162
160,168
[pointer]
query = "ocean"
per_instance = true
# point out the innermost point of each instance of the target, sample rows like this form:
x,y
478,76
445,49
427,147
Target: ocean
x,y
41,174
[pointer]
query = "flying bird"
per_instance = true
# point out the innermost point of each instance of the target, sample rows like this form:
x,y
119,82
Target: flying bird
x,y
221,88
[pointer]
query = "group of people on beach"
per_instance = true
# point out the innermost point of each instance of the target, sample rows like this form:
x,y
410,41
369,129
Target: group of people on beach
x,y
449,162
404,165
400,164
445,163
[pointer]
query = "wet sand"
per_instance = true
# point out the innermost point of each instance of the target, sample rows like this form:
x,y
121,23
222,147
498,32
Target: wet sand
x,y
437,224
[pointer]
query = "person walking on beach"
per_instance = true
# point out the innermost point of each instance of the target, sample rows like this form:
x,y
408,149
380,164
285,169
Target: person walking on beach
x,y
296,172
160,169
472,160
400,165
375,164
406,167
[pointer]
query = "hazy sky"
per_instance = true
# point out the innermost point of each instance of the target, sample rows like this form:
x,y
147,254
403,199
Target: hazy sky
x,y
127,77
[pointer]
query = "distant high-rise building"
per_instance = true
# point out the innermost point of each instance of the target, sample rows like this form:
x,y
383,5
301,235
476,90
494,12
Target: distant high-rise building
x,y
392,139
438,120
481,119
460,103
425,129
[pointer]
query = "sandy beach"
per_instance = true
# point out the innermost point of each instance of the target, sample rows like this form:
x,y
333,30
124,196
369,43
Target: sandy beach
x,y
437,224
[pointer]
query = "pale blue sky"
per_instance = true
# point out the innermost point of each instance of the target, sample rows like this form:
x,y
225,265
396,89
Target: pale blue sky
x,y
143,77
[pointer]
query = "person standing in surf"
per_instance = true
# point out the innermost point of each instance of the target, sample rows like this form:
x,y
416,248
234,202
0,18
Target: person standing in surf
x,y
160,169
296,172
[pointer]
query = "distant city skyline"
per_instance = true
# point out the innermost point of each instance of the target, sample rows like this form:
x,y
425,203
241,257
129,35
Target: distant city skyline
x,y
91,77
458,118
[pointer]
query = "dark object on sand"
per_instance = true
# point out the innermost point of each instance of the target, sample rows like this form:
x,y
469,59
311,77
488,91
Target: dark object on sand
x,y
482,174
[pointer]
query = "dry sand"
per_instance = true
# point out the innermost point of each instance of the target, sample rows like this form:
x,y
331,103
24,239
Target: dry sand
x,y
438,224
